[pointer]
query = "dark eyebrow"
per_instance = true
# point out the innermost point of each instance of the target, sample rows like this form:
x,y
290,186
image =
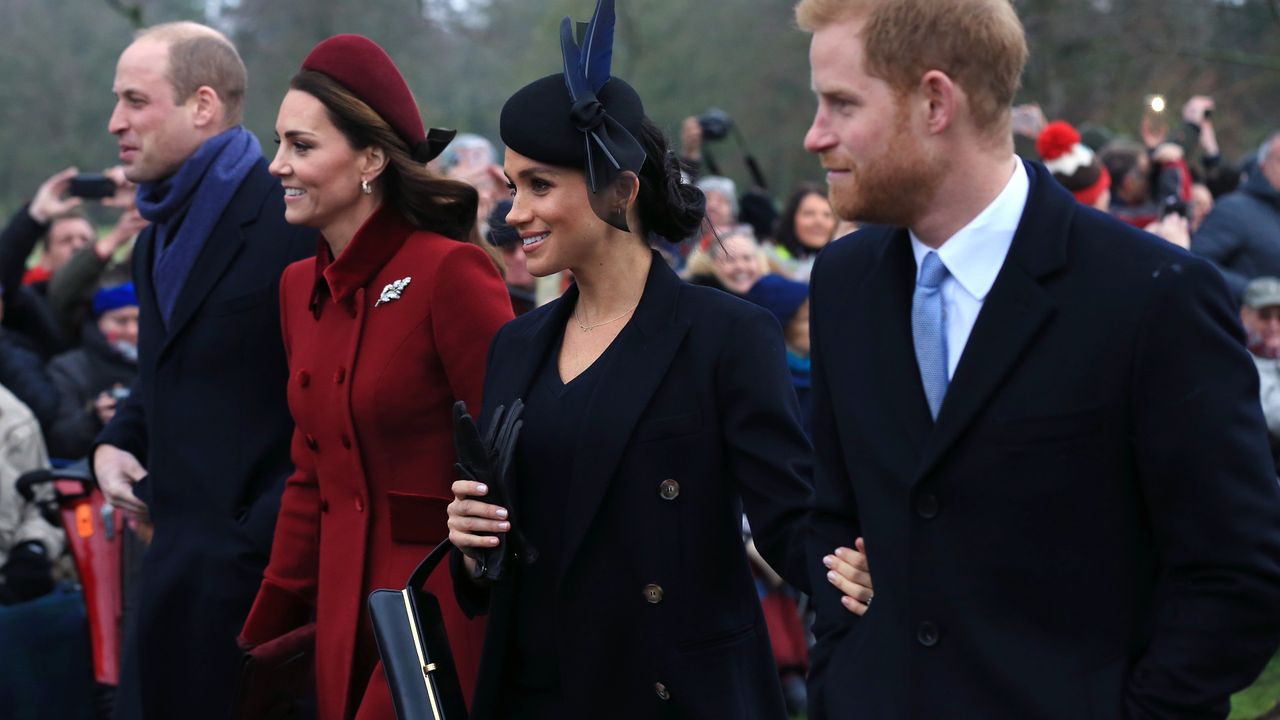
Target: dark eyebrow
x,y
293,134
538,170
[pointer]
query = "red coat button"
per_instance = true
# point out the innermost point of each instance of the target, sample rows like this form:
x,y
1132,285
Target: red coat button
x,y
324,506
346,442
311,441
359,504
339,376
304,378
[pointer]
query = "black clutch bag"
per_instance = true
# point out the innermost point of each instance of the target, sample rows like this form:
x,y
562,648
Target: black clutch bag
x,y
415,648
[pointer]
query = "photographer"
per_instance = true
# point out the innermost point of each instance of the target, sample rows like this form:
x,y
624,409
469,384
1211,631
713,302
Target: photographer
x,y
95,377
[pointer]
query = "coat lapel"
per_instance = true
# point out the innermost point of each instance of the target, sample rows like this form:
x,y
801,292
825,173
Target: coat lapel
x,y
638,365
894,381
1013,312
219,250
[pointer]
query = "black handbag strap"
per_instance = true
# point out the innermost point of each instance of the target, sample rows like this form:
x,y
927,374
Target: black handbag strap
x,y
429,563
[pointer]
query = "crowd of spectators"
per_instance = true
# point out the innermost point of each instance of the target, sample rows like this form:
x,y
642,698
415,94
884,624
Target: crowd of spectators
x,y
69,313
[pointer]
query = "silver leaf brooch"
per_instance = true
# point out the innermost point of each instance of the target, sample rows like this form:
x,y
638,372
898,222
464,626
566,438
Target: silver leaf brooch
x,y
392,291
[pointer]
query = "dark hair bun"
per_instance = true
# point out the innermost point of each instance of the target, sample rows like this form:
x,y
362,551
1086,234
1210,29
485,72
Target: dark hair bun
x,y
669,206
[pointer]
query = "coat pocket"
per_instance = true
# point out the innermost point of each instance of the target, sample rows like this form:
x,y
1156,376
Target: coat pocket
x,y
667,427
241,303
420,519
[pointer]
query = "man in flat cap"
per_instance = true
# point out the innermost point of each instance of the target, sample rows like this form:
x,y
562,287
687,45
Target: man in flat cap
x,y
201,447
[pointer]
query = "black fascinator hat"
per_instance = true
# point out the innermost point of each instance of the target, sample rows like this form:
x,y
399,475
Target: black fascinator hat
x,y
582,117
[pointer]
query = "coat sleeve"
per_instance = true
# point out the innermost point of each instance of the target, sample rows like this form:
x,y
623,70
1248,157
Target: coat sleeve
x,y
22,372
23,452
469,303
73,285
287,595
1221,240
833,514
767,451
17,240
1211,494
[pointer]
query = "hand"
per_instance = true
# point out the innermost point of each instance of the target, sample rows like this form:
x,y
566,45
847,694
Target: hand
x,y
28,572
691,139
1194,111
1154,131
849,573
1172,227
127,227
50,200
126,192
467,517
105,407
117,470
1028,120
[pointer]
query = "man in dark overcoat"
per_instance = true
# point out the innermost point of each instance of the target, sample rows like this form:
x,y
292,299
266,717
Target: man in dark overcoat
x,y
201,447
1043,423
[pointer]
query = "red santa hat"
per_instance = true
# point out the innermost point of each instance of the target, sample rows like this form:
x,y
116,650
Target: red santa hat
x,y
1072,163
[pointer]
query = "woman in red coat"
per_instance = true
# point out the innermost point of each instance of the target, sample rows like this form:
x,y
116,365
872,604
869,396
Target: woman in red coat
x,y
385,328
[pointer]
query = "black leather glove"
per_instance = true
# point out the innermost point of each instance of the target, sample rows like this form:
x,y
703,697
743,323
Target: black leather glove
x,y
488,460
28,573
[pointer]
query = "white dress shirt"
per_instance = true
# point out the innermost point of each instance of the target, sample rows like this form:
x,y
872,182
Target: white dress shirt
x,y
973,257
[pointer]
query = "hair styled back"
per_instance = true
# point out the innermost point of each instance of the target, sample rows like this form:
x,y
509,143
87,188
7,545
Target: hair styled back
x,y
201,56
980,44
668,206
428,201
785,234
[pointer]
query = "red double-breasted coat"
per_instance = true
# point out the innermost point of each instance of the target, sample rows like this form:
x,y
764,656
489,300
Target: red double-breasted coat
x,y
381,341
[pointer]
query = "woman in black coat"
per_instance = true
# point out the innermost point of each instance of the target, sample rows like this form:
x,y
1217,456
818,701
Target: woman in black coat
x,y
655,412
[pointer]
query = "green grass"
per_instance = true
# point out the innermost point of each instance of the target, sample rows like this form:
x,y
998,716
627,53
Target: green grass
x,y
1259,699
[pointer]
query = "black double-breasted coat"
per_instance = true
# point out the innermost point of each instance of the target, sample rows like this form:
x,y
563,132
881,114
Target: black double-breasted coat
x,y
694,421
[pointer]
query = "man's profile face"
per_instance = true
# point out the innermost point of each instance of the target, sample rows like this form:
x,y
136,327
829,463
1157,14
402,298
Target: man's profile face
x,y
878,168
155,134
66,236
1271,167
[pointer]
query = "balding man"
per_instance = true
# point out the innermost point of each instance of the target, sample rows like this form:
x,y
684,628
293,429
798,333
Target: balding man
x,y
1043,422
201,447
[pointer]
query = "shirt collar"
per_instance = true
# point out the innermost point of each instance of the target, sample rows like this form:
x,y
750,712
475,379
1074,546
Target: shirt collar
x,y
975,254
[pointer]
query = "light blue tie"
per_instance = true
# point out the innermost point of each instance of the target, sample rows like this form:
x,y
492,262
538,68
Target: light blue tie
x,y
929,330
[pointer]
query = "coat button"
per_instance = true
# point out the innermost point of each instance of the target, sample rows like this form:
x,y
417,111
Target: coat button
x,y
304,378
669,489
311,442
927,634
661,690
359,504
653,593
324,506
927,505
346,442
339,376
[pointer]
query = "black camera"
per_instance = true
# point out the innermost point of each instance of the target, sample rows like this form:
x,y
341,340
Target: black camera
x,y
715,124
93,186
1172,205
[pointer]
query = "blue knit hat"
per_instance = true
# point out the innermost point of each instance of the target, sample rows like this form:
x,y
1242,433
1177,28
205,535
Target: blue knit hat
x,y
114,298
780,296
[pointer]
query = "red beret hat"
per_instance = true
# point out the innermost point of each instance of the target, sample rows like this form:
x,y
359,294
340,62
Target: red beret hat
x,y
362,67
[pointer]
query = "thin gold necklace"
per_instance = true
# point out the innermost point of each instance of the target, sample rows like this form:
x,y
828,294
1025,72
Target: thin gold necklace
x,y
589,328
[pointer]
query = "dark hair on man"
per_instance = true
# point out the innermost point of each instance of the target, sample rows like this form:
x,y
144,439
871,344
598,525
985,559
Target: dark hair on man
x,y
428,201
200,56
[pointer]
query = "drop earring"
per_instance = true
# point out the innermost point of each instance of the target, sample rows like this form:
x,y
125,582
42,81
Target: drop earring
x,y
365,187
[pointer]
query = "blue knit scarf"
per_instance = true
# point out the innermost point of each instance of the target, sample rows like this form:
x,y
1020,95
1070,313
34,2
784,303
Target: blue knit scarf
x,y
185,207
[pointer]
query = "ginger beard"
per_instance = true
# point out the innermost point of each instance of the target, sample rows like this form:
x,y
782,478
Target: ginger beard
x,y
896,187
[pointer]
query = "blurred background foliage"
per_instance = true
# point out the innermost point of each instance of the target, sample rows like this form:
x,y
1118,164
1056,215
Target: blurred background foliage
x,y
1092,61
